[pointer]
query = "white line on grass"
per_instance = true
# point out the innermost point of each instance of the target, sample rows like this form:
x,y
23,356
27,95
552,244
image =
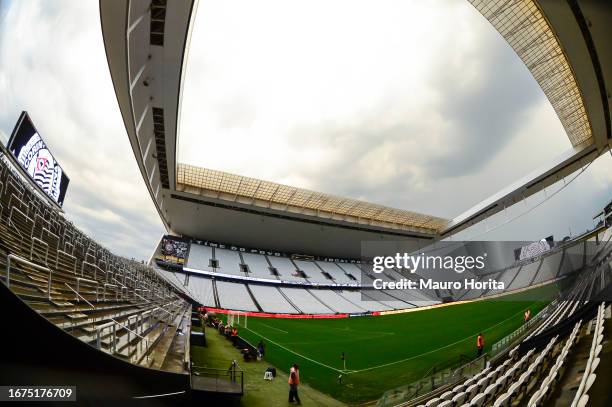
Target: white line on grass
x,y
272,327
295,353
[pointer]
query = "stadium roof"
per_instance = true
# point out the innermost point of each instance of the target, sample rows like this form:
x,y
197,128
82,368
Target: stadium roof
x,y
268,194
524,27
563,44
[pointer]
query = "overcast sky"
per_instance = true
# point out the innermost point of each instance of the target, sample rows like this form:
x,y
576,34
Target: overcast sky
x,y
417,105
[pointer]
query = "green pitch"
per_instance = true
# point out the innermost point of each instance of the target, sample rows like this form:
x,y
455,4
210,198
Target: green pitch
x,y
383,352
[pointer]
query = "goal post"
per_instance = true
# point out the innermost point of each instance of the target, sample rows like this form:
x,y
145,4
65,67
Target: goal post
x,y
236,317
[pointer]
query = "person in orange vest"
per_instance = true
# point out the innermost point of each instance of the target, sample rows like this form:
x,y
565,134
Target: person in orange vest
x,y
294,381
527,315
480,344
234,335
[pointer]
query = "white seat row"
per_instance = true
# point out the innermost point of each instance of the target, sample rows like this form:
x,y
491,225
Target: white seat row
x,y
484,388
522,379
234,296
305,301
336,302
271,300
555,372
588,377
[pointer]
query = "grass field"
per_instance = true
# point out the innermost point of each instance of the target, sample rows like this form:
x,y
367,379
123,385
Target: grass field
x,y
219,353
383,352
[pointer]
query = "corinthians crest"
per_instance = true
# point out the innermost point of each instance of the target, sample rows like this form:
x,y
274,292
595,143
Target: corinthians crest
x,y
41,166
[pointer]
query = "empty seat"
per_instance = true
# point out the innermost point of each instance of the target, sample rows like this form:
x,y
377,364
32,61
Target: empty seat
x,y
490,391
458,389
590,382
502,401
482,383
501,382
478,400
459,398
471,391
432,402
447,395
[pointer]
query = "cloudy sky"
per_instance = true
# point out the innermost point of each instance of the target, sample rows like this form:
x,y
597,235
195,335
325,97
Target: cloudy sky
x,y
417,105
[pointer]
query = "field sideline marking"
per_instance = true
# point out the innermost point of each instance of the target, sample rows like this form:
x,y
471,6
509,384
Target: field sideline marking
x,y
390,363
261,323
295,353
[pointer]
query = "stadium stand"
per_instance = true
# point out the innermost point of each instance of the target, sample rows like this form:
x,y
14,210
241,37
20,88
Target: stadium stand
x,y
525,274
550,268
234,296
272,300
385,299
364,301
336,302
117,305
305,301
344,279
200,257
336,272
588,377
228,261
202,289
286,269
313,272
258,266
351,269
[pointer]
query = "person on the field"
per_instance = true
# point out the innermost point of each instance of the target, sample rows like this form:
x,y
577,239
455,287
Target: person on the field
x,y
261,348
480,344
234,335
527,315
294,381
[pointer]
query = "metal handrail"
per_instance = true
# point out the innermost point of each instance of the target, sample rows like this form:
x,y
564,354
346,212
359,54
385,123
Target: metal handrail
x,y
79,279
15,227
109,285
135,333
79,295
90,264
42,242
28,263
67,255
232,374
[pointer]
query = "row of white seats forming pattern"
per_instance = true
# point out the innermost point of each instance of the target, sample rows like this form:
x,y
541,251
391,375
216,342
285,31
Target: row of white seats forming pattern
x,y
531,379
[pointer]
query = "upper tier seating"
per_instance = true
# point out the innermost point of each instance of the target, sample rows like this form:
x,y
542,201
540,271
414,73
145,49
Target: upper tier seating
x,y
314,273
200,257
285,268
258,266
228,262
336,272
